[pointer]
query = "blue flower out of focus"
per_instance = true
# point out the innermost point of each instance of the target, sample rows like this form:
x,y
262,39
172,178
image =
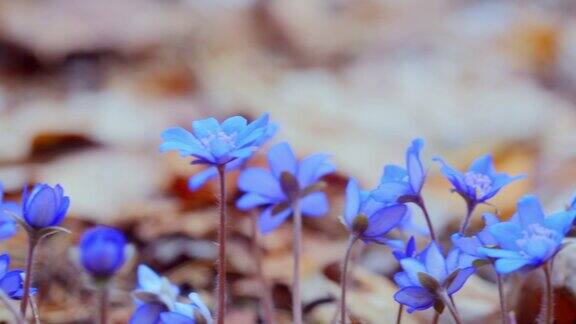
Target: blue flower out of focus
x,y
403,183
480,183
11,281
44,206
367,219
530,238
265,188
7,223
447,273
470,245
157,302
200,178
216,144
102,251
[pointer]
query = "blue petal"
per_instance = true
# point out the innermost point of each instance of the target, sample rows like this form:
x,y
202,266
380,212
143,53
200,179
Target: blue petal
x,y
393,173
252,200
468,245
530,211
313,168
560,222
181,140
500,253
416,298
314,204
148,279
233,124
505,266
384,220
7,226
268,222
402,280
175,318
4,264
200,178
483,165
435,262
352,202
281,158
390,192
11,282
412,267
147,314
506,234
454,176
205,127
261,122
41,209
202,308
541,249
414,165
260,181
460,279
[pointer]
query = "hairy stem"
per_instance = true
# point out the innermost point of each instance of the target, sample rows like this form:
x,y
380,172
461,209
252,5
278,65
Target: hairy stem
x,y
32,243
448,302
399,315
435,318
266,295
10,307
503,308
103,305
222,234
344,278
297,249
470,206
420,203
548,295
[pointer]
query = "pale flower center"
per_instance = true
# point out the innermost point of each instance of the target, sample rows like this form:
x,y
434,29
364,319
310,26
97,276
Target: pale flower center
x,y
534,233
480,182
228,139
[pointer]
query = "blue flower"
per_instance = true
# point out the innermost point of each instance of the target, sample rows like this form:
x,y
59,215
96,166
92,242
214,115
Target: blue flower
x,y
409,250
44,206
530,238
470,245
480,183
405,184
216,144
102,251
429,275
200,178
267,188
11,281
157,302
7,223
367,219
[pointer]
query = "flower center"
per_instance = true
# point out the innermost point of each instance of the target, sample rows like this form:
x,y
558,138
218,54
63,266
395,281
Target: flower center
x,y
227,139
480,182
534,236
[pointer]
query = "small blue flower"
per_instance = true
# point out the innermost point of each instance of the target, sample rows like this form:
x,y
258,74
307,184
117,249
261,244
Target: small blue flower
x,y
12,282
403,183
409,250
7,223
368,219
470,245
216,144
530,238
480,183
102,251
265,188
44,206
429,274
200,178
157,302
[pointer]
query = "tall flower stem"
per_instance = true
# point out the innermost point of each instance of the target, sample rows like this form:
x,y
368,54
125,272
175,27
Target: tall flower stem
x,y
33,240
297,250
103,304
222,234
399,315
470,206
266,295
344,278
420,202
503,308
435,318
548,295
451,307
6,301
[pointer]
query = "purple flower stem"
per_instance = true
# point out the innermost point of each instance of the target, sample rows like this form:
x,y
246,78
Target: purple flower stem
x,y
6,301
103,305
344,278
266,295
450,305
400,311
503,307
435,318
32,243
470,206
222,284
420,202
297,249
548,296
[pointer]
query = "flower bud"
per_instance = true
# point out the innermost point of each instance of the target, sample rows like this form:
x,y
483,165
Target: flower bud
x,y
44,206
102,251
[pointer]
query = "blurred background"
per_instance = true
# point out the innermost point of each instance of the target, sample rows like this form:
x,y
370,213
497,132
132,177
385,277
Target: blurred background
x,y
86,88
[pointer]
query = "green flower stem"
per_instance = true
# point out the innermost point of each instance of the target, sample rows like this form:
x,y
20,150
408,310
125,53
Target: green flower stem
x,y
344,278
222,234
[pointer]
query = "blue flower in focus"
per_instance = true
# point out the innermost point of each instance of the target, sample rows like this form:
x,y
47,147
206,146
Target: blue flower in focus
x,y
480,183
200,178
428,275
403,184
288,182
7,223
530,238
471,245
216,144
44,206
12,281
368,219
157,302
102,251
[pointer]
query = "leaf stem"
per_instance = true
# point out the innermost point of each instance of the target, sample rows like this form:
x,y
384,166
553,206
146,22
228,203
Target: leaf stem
x,y
344,278
266,295
297,250
222,234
